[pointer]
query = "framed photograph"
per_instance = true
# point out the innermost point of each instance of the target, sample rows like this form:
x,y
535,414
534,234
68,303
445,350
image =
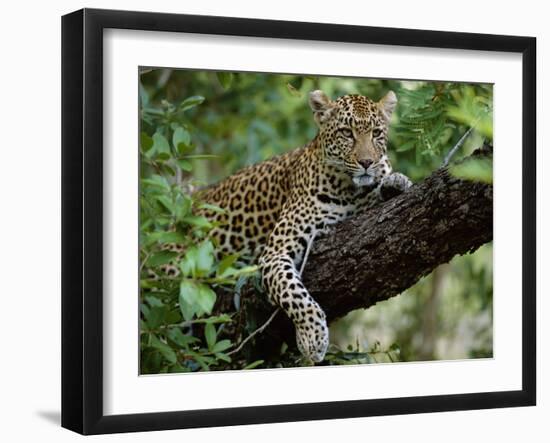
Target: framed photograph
x,y
270,221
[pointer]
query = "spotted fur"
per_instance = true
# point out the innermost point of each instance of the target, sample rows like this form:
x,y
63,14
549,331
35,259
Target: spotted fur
x,y
275,209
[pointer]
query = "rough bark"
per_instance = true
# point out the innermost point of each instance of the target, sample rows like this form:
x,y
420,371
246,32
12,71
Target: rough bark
x,y
379,254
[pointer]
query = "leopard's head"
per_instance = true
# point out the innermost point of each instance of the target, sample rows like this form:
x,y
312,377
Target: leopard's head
x,y
353,133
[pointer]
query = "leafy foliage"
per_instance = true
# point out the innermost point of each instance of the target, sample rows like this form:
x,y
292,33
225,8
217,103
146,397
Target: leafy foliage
x,y
474,169
179,333
355,354
432,117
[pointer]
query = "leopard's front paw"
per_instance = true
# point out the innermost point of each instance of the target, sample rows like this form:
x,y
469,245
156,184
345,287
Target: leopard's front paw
x,y
394,184
312,339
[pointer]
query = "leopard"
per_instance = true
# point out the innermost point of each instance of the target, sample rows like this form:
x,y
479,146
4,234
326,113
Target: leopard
x,y
275,209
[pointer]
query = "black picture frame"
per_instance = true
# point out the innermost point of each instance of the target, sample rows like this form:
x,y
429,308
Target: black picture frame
x,y
82,219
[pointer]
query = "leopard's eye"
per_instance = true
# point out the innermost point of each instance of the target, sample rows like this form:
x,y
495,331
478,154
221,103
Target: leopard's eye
x,y
346,132
376,132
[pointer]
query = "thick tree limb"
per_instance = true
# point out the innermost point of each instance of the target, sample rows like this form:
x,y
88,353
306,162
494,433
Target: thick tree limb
x,y
378,255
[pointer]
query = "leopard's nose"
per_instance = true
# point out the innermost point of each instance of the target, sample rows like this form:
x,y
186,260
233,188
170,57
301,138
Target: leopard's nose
x,y
366,163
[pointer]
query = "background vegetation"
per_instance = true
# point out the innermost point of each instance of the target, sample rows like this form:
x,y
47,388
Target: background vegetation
x,y
198,127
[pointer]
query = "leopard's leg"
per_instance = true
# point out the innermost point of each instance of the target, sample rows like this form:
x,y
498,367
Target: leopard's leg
x,y
282,281
393,185
390,184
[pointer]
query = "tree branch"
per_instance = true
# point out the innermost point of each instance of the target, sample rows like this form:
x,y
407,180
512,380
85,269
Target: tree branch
x,y
378,255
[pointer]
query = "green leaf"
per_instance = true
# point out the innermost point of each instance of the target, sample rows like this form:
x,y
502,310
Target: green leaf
x,y
166,351
205,258
222,345
210,335
253,364
145,141
181,139
178,369
407,146
166,202
143,95
167,170
234,273
474,169
180,338
188,265
157,181
165,237
207,298
228,274
174,316
156,316
188,298
223,357
151,361
195,299
191,102
183,206
153,111
225,79
212,208
161,258
226,262
160,144
154,301
144,310
203,361
185,165
197,221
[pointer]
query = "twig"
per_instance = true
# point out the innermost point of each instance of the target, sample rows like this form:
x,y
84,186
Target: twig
x,y
257,331
456,147
306,254
142,264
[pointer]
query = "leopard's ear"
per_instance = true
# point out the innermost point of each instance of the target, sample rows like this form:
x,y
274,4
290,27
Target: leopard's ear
x,y
387,105
320,104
